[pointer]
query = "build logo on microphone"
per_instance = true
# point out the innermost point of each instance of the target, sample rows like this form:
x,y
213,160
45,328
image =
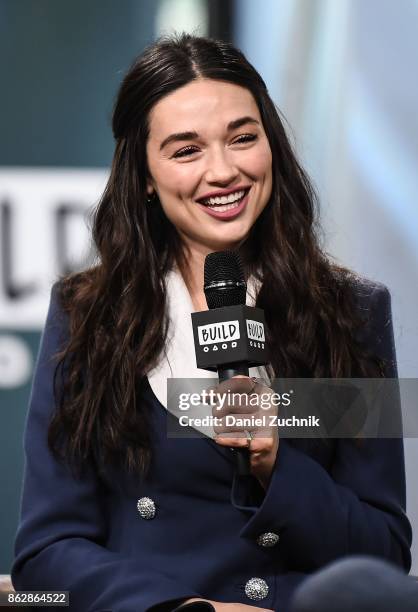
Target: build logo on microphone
x,y
225,334
255,333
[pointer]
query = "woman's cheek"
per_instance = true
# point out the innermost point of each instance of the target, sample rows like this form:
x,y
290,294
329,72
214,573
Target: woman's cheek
x,y
261,160
188,179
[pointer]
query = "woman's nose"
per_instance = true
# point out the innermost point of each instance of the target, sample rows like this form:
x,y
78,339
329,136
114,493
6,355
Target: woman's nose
x,y
220,168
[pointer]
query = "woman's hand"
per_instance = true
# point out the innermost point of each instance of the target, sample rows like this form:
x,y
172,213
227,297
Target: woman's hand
x,y
251,400
229,607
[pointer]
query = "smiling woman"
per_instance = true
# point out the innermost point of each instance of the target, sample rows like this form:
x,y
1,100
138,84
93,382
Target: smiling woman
x,y
114,510
225,169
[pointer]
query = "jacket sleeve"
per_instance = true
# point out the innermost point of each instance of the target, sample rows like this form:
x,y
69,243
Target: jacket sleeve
x,y
61,538
355,508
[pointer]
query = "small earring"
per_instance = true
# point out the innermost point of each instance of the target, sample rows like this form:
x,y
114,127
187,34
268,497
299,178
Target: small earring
x,y
152,198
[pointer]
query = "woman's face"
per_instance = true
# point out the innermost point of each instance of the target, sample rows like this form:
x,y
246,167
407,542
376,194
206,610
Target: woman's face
x,y
209,162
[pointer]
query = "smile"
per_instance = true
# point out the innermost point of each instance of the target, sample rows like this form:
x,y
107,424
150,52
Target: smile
x,y
226,207
225,201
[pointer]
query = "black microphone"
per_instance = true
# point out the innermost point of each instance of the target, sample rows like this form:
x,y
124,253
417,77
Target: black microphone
x,y
229,338
224,286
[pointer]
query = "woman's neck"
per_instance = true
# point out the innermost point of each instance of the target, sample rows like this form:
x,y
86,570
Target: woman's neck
x,y
192,270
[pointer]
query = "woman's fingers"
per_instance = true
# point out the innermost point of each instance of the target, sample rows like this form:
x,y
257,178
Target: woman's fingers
x,y
236,399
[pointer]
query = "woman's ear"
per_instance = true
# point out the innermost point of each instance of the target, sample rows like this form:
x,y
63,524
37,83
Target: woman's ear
x,y
150,187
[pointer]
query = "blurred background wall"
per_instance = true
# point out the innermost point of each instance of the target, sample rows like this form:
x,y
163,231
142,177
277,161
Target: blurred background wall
x,y
341,72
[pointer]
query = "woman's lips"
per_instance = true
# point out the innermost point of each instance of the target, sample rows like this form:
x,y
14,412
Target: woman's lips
x,y
226,214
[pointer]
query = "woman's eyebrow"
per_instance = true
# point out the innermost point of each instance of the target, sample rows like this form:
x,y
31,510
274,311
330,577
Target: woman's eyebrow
x,y
232,125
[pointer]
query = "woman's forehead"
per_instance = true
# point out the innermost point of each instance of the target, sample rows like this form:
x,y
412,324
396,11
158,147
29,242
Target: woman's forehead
x,y
200,104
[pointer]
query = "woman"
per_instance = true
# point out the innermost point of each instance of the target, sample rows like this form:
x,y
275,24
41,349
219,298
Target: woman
x,y
113,510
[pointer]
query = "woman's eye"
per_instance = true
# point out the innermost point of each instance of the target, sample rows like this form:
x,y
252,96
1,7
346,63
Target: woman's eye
x,y
184,152
246,138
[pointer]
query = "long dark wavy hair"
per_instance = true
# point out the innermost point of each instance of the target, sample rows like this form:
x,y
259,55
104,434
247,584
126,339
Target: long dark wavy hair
x,y
117,309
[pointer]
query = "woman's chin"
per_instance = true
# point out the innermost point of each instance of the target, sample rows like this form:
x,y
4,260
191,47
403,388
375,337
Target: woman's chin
x,y
227,244
227,240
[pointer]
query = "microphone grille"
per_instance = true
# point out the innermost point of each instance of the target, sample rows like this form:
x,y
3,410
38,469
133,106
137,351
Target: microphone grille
x,y
224,279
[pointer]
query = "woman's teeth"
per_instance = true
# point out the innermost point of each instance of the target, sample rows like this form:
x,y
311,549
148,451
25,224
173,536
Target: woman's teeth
x,y
226,206
225,202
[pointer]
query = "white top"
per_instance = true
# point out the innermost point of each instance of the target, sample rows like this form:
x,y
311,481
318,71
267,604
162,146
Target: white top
x,y
179,360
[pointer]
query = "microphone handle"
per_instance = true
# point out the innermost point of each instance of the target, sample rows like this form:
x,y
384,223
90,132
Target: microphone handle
x,y
232,369
242,455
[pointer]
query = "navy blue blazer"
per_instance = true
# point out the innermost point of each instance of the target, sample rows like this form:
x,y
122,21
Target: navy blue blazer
x,y
208,535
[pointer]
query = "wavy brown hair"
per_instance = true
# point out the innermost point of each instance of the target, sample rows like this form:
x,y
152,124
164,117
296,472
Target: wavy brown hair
x,y
117,309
